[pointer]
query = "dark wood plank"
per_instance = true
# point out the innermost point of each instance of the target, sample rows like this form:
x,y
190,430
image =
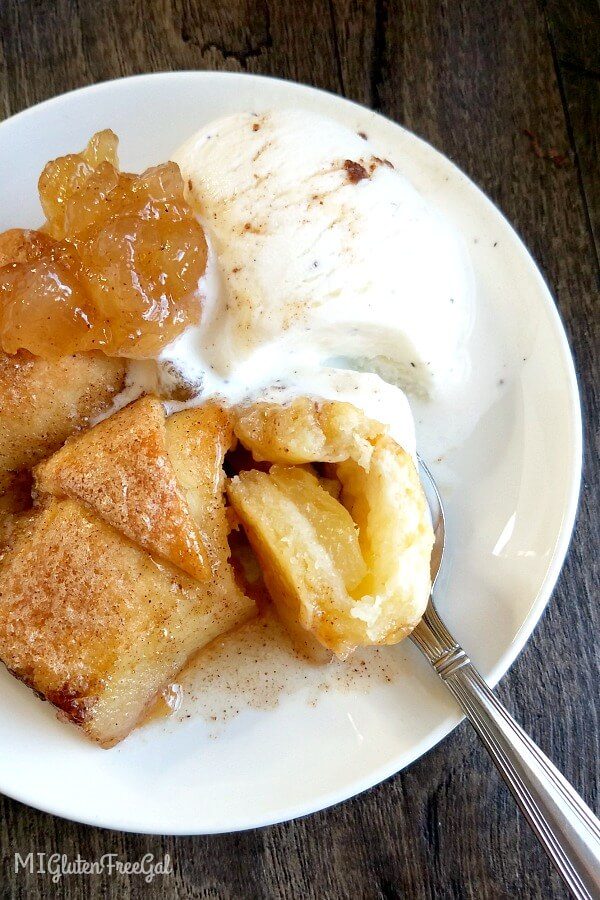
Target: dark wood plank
x,y
574,29
575,32
582,102
469,78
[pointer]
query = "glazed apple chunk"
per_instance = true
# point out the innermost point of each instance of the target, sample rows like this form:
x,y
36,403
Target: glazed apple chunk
x,y
116,267
94,614
344,572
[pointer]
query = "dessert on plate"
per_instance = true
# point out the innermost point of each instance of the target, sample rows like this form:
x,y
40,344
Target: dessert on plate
x,y
190,378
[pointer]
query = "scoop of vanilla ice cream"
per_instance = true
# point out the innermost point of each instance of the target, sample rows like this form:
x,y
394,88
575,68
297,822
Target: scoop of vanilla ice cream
x,y
325,252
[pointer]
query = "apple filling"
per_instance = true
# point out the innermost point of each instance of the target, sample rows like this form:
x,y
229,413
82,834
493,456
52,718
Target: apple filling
x,y
345,554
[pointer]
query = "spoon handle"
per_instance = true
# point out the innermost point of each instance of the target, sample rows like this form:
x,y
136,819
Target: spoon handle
x,y
567,829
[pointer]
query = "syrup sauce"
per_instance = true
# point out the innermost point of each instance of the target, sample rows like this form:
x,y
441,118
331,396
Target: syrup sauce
x,y
256,666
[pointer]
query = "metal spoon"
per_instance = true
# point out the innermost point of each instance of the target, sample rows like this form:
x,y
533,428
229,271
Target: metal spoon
x,y
567,829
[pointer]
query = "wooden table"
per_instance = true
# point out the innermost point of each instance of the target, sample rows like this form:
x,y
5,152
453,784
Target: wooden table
x,y
471,77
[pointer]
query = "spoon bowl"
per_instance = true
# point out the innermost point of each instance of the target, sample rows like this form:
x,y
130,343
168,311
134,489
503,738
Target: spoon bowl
x,y
438,521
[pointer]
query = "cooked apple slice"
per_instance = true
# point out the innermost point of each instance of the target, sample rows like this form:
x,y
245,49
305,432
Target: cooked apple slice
x,y
307,546
96,625
332,523
43,402
122,468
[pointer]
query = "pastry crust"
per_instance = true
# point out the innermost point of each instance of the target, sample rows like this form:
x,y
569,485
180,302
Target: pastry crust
x,y
97,626
123,469
42,402
305,431
89,618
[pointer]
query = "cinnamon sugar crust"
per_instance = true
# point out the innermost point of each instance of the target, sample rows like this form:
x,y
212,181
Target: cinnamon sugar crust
x,y
42,402
122,469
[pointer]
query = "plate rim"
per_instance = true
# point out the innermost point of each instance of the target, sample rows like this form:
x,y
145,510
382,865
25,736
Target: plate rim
x,y
561,546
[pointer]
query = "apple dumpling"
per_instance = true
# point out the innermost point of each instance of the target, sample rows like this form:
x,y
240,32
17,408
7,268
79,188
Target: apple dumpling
x,y
120,572
343,535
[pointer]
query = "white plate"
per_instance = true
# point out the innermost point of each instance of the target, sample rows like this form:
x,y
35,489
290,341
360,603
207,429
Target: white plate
x,y
511,484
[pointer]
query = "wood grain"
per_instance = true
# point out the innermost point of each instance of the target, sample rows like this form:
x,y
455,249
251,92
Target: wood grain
x,y
582,103
573,26
469,77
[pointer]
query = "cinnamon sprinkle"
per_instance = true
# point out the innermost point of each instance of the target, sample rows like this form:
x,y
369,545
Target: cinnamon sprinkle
x,y
356,171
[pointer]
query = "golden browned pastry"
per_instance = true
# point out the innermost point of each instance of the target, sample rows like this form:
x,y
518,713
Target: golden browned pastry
x,y
124,470
96,625
347,572
42,402
15,500
305,431
88,618
198,440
